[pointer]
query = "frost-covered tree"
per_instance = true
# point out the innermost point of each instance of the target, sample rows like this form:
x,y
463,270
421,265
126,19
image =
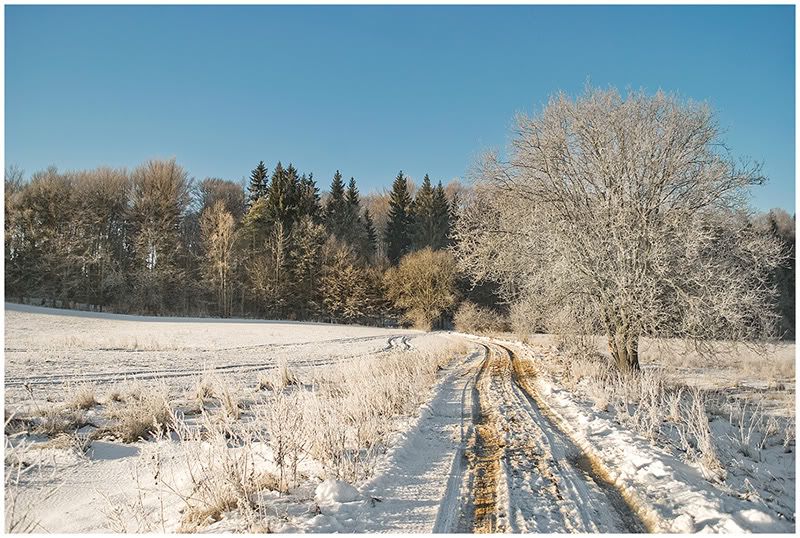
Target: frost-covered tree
x,y
217,234
779,225
212,189
342,286
306,257
160,197
626,215
269,273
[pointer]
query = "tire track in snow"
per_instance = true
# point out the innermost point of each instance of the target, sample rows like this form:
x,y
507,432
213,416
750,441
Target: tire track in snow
x,y
540,481
451,517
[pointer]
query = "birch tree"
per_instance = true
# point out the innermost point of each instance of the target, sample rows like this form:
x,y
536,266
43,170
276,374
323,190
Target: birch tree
x,y
622,215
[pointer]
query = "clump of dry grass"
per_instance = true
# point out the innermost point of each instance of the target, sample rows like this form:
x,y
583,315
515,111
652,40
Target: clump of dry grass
x,y
204,388
57,420
138,418
64,441
278,378
228,396
114,394
81,397
223,478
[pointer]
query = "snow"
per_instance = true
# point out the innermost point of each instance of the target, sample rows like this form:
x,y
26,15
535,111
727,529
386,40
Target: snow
x,y
554,447
48,348
335,491
419,487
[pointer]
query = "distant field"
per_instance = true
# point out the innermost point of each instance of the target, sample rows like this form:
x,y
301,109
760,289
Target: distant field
x,y
47,347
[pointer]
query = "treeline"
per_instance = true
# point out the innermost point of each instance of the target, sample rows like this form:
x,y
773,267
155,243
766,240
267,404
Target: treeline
x,y
152,241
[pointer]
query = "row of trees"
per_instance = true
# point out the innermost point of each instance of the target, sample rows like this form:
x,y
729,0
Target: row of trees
x,y
153,241
622,215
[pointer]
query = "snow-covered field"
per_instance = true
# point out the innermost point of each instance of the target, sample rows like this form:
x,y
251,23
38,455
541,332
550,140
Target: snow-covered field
x,y
136,424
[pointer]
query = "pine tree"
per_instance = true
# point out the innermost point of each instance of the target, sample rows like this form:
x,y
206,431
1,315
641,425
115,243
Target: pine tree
x,y
336,207
282,196
308,199
258,183
372,238
354,232
424,231
308,239
441,219
398,227
453,217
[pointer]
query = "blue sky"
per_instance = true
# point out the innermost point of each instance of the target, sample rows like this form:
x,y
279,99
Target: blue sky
x,y
371,90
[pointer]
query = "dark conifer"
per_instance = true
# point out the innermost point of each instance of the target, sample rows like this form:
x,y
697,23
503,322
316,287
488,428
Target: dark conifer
x,y
398,227
258,183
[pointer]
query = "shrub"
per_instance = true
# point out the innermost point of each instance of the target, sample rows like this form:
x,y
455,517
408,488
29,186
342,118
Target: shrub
x,y
423,286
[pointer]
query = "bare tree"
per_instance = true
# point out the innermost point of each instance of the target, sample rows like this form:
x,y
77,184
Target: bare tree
x,y
217,234
624,215
159,200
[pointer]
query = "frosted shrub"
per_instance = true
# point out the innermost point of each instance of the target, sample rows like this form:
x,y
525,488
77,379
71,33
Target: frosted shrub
x,y
753,426
696,426
649,412
329,443
222,477
284,418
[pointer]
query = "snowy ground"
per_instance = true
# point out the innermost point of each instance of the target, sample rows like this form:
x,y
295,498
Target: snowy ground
x,y
49,348
393,431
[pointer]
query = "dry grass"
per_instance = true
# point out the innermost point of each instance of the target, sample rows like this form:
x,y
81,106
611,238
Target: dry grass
x,y
57,420
139,417
81,397
278,378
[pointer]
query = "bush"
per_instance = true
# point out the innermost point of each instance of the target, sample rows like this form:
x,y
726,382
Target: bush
x,y
423,286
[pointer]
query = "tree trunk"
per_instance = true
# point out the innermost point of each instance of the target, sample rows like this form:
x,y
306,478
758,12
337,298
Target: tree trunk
x,y
624,349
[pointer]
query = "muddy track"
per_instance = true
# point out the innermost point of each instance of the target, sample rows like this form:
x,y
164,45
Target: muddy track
x,y
525,473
